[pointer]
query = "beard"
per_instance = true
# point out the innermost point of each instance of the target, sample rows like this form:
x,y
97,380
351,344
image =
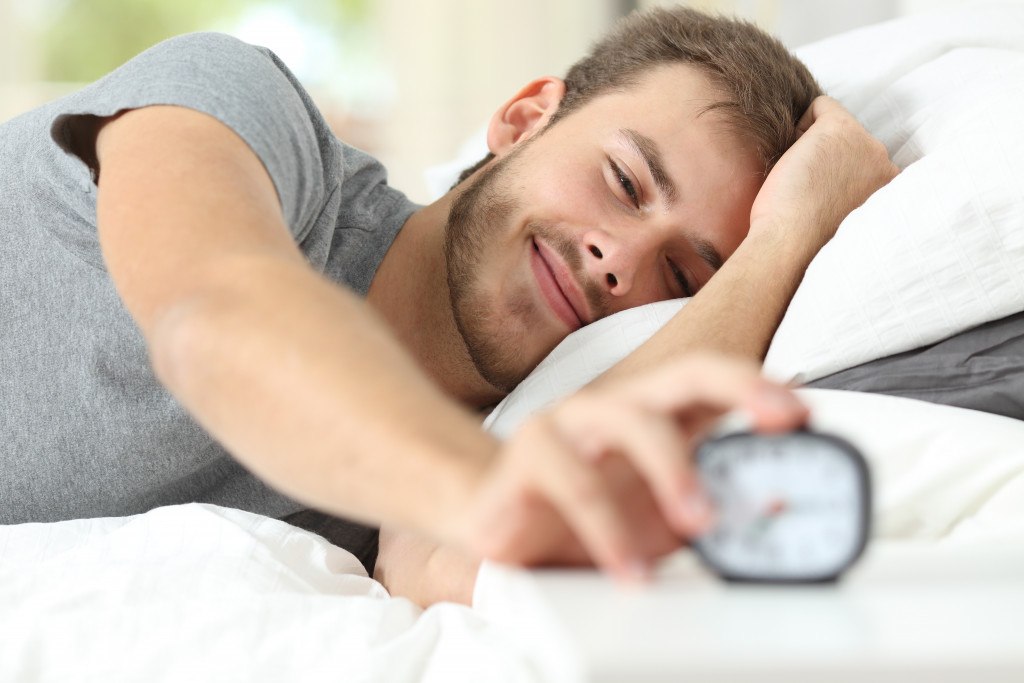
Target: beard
x,y
497,340
478,215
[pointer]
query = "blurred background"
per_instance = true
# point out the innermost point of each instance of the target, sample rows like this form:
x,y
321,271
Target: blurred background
x,y
407,80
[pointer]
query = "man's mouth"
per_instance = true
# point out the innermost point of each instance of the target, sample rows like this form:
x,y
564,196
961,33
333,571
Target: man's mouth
x,y
558,286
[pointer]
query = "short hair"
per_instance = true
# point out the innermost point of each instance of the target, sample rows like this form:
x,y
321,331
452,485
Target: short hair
x,y
764,88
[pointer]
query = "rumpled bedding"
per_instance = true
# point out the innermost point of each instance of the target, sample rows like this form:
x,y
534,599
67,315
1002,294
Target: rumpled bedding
x,y
204,593
198,592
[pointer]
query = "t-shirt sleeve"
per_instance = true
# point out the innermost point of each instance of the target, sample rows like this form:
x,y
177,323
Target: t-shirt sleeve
x,y
245,87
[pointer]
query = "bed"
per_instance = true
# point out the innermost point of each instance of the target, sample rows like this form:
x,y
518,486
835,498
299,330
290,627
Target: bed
x,y
198,592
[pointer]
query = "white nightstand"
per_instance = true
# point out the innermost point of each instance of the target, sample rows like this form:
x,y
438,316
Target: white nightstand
x,y
905,613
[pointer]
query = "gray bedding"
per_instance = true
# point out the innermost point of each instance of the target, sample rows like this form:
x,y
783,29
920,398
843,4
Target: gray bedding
x,y
981,368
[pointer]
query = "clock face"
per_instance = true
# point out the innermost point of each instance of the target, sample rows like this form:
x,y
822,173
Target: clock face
x,y
788,507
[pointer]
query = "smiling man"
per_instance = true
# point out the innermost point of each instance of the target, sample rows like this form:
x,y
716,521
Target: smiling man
x,y
628,218
209,297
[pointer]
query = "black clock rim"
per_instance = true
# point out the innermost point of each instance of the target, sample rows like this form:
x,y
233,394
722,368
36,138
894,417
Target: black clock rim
x,y
866,499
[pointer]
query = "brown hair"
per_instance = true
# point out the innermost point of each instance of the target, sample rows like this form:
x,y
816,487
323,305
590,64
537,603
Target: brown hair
x,y
764,88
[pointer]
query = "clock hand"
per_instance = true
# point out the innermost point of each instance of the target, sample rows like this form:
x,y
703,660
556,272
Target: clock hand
x,y
775,507
759,523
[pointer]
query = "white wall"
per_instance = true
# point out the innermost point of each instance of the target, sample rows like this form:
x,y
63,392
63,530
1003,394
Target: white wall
x,y
451,63
19,67
798,22
455,61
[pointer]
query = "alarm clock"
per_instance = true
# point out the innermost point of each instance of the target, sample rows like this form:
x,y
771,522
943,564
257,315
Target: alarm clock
x,y
789,508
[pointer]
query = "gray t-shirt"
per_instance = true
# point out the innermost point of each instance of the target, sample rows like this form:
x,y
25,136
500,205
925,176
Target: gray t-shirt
x,y
85,428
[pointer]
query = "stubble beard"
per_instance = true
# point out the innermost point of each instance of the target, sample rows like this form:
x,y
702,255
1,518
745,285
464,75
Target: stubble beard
x,y
478,216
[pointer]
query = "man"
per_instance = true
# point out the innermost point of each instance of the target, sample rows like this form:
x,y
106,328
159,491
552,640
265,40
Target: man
x,y
187,244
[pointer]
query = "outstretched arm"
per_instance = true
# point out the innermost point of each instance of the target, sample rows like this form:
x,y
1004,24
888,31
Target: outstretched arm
x,y
304,384
602,478
294,375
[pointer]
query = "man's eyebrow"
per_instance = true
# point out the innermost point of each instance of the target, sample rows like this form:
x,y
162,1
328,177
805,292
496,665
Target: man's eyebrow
x,y
651,156
707,252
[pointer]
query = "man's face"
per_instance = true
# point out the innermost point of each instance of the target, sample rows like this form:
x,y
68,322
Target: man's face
x,y
631,199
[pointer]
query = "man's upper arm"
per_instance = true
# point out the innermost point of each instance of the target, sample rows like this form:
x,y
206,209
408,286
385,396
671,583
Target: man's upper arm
x,y
182,202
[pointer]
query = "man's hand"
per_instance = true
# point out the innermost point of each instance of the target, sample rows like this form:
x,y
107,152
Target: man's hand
x,y
605,478
421,570
832,168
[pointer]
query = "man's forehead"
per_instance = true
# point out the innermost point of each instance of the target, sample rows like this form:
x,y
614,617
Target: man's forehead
x,y
671,100
679,82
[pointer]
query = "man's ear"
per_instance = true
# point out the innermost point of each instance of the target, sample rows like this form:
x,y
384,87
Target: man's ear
x,y
524,114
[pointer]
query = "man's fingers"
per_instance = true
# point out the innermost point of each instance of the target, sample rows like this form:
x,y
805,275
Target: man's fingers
x,y
723,384
820,106
805,121
658,449
651,420
644,491
583,498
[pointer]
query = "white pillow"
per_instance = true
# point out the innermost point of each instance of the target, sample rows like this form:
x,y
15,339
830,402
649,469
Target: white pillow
x,y
937,251
941,248
581,357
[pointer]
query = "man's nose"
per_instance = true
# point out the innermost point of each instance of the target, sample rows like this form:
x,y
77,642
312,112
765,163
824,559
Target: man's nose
x,y
611,260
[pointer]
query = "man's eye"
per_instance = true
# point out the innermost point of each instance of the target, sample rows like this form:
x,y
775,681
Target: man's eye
x,y
626,183
681,279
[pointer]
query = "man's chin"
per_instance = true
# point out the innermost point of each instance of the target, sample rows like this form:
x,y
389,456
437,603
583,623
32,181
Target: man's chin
x,y
502,357
502,368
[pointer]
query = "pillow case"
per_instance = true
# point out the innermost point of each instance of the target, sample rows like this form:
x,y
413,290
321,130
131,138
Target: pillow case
x,y
578,359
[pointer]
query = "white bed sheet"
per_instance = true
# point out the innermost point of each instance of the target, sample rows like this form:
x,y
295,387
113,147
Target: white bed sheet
x,y
203,593
198,592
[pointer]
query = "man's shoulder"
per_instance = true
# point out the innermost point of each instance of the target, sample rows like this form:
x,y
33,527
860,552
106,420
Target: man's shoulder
x,y
211,56
201,44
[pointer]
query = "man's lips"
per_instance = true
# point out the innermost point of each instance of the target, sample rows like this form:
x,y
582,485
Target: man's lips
x,y
558,286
